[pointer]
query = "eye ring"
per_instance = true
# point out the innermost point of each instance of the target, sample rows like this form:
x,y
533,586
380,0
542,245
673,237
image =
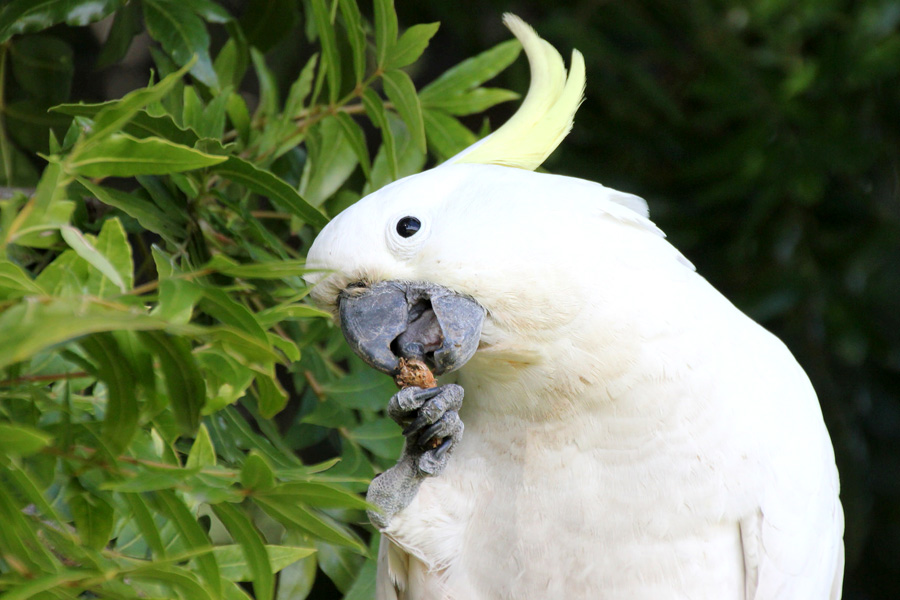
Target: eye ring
x,y
408,226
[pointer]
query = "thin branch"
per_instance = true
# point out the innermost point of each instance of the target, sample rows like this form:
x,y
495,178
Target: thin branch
x,y
34,378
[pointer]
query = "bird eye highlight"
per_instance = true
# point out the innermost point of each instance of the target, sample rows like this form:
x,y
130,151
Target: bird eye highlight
x,y
408,226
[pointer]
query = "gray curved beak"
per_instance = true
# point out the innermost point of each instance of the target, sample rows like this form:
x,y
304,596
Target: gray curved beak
x,y
429,322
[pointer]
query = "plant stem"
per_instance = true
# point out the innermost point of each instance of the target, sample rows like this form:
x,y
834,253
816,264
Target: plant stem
x,y
5,147
33,378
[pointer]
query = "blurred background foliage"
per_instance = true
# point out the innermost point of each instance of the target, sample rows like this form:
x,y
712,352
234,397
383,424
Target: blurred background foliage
x,y
763,133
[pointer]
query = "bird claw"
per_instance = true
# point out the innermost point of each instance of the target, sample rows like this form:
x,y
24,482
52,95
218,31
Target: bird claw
x,y
432,428
431,423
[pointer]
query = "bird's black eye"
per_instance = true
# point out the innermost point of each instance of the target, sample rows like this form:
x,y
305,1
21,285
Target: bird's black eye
x,y
408,226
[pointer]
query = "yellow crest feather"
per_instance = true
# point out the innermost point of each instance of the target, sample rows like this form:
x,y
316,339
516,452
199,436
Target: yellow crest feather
x,y
546,114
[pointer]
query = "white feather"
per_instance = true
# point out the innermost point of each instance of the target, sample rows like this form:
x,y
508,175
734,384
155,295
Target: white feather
x,y
545,116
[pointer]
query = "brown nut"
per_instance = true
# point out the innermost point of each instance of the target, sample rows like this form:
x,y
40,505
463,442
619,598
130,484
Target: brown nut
x,y
414,373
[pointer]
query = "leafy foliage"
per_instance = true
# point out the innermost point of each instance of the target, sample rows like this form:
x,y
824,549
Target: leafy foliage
x,y
176,420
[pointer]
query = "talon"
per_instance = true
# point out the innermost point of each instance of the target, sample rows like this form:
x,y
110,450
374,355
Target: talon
x,y
442,449
419,423
427,393
429,433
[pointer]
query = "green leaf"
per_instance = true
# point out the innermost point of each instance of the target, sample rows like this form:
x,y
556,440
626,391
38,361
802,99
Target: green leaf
x,y
42,65
31,489
94,516
122,412
210,11
375,110
177,298
473,101
288,512
255,351
187,391
207,121
195,538
165,196
15,283
239,114
410,158
257,474
126,24
321,495
181,578
276,269
354,135
356,36
363,587
385,29
24,16
182,35
472,72
35,587
235,567
121,155
267,22
147,214
192,109
446,135
300,89
340,564
365,390
88,252
288,347
112,243
410,46
269,317
32,326
265,183
146,524
400,89
139,124
46,208
202,453
257,565
223,307
331,161
267,107
226,378
21,440
330,55
112,116
65,277
150,481
231,62
28,124
19,539
17,168
296,580
271,396
382,438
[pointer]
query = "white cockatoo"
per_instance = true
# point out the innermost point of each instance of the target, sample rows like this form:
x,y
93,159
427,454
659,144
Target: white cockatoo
x,y
629,433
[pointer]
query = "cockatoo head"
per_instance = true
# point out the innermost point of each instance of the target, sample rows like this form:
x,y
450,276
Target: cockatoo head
x,y
412,269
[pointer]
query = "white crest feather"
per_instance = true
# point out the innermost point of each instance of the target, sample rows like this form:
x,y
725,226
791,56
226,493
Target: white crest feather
x,y
546,114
